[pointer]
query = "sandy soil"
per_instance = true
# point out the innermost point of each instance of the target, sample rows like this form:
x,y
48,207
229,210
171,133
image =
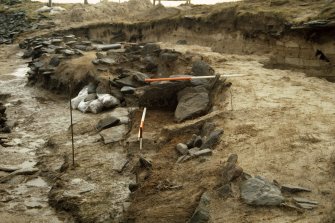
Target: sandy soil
x,y
280,125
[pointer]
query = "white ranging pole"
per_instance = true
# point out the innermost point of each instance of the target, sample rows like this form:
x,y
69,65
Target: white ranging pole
x,y
140,132
192,77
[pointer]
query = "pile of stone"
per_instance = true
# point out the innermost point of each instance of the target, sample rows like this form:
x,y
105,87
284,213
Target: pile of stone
x,y
12,24
199,145
89,101
3,126
58,48
128,65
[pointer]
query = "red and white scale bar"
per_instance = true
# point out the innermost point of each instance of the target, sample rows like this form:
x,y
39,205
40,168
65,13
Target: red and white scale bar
x,y
140,132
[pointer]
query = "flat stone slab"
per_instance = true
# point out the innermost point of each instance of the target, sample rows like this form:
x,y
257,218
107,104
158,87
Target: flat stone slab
x,y
192,102
107,122
114,134
304,200
119,162
294,189
108,46
259,192
306,205
204,152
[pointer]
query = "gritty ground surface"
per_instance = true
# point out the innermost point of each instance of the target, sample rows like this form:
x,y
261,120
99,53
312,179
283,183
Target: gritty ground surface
x,y
34,114
281,125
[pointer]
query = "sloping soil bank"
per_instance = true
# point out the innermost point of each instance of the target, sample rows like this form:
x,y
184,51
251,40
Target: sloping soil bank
x,y
294,40
283,135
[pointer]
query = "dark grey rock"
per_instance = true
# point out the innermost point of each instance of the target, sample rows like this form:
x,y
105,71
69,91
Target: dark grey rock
x,y
201,68
294,189
204,152
306,205
114,134
183,158
201,213
232,158
27,53
225,190
103,68
168,57
151,48
69,38
128,81
192,102
190,142
116,93
133,187
193,151
182,148
69,52
140,77
181,42
56,42
91,88
96,61
54,61
212,139
207,128
107,122
161,94
304,200
145,162
70,43
128,90
107,61
197,142
86,42
80,47
90,97
109,47
258,191
150,64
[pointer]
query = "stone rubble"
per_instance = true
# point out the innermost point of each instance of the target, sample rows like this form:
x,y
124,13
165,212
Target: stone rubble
x,y
11,25
199,145
127,85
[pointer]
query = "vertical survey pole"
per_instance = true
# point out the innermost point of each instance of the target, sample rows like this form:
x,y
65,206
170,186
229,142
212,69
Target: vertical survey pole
x,y
71,124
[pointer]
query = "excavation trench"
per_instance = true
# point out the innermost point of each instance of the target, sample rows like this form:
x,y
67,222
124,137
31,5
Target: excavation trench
x,y
103,186
109,173
114,181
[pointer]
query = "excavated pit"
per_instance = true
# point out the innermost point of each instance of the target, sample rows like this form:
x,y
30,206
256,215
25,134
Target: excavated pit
x,y
308,47
117,70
